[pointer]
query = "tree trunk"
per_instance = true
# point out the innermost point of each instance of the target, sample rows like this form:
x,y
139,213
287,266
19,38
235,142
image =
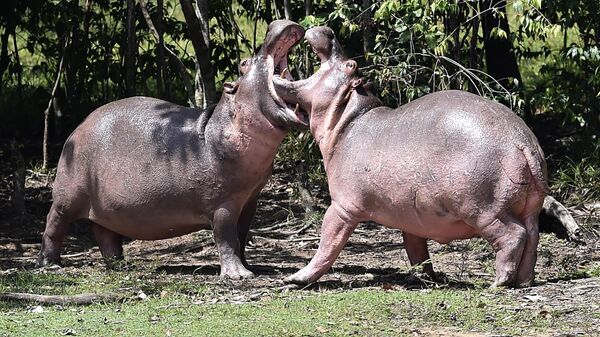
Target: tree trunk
x,y
501,62
268,11
197,22
160,49
130,57
185,76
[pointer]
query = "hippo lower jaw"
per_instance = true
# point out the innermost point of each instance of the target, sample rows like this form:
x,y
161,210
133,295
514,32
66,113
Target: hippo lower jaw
x,y
278,69
277,62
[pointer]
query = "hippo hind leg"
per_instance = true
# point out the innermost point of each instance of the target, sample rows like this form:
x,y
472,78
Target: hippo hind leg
x,y
525,272
418,254
57,226
508,237
110,244
244,222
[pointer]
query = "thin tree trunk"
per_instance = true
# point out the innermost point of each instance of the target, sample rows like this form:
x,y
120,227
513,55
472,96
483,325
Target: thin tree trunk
x,y
18,192
302,183
130,57
367,27
19,71
236,33
47,111
473,59
4,60
161,49
307,65
185,76
81,55
287,8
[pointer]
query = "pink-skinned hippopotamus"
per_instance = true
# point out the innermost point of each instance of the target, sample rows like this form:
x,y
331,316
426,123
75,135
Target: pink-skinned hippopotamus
x,y
148,169
450,165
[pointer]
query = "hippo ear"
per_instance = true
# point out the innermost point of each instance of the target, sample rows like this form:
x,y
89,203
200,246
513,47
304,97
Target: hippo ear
x,y
230,87
357,82
370,86
243,66
350,67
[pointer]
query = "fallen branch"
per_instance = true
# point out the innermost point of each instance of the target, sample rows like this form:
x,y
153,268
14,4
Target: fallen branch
x,y
562,214
80,299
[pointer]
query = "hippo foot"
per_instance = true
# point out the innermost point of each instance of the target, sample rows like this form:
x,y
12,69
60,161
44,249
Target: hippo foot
x,y
46,261
423,279
115,263
236,272
298,278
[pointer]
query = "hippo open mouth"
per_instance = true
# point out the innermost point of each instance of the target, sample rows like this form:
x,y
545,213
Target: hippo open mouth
x,y
277,62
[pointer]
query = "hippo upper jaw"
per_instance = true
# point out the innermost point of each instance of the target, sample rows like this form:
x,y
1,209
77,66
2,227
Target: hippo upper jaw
x,y
274,53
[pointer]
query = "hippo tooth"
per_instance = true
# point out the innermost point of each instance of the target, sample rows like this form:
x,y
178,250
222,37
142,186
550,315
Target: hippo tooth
x,y
283,73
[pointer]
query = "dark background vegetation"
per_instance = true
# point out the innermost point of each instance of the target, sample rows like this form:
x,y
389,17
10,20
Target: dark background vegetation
x,y
59,60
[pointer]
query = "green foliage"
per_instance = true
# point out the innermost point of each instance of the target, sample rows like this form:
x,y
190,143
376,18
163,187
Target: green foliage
x,y
579,182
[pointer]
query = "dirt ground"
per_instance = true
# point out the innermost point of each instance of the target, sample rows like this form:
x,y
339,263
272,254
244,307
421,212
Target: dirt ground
x,y
282,241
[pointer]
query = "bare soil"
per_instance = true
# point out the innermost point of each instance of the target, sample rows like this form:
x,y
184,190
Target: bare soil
x,y
283,240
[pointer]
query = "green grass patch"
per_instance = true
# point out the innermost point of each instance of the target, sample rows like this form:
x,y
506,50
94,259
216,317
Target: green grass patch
x,y
183,307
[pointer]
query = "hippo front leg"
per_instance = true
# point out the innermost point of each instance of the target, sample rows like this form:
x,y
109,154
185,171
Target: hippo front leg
x,y
225,231
335,231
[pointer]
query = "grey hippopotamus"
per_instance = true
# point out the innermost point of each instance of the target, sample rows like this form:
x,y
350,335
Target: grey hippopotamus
x,y
450,165
148,169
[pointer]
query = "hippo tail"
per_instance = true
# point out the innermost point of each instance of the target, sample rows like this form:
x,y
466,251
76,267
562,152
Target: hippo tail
x,y
537,167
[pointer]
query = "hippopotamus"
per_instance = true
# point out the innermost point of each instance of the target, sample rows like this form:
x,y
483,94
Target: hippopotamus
x,y
450,165
148,169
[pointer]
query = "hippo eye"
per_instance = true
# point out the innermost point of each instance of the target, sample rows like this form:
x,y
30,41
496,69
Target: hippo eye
x,y
350,67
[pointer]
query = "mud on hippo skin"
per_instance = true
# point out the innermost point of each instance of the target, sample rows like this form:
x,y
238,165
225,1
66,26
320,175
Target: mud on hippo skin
x,y
148,169
450,165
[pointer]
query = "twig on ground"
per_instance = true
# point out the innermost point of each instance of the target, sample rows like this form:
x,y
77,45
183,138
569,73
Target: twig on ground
x,y
80,299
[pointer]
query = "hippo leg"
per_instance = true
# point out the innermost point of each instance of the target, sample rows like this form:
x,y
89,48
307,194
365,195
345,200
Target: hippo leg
x,y
226,237
110,244
244,226
525,273
416,249
335,231
57,225
508,237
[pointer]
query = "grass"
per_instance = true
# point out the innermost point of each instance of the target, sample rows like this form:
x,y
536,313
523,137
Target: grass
x,y
183,307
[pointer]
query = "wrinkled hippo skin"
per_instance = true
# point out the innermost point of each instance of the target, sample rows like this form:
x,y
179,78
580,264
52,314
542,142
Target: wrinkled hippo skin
x,y
450,165
148,169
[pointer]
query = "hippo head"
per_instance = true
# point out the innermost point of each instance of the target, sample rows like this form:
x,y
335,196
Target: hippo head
x,y
258,72
328,89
